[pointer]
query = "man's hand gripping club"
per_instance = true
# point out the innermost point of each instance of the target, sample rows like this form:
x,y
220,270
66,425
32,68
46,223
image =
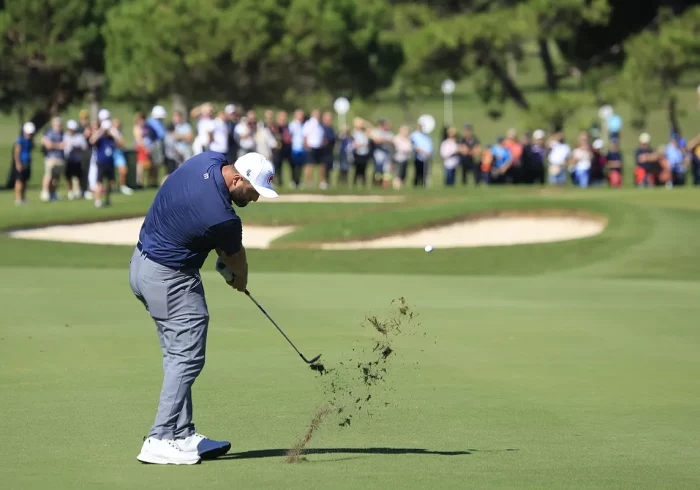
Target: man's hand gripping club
x,y
233,268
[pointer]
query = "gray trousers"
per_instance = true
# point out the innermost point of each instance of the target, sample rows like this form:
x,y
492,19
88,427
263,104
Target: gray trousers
x,y
175,301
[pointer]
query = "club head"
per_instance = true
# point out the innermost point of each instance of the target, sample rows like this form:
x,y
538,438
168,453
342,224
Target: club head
x,y
314,359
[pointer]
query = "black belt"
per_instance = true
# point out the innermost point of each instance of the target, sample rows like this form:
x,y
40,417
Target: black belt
x,y
139,246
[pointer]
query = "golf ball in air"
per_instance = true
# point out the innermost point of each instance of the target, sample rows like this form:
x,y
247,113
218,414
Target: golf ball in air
x,y
428,248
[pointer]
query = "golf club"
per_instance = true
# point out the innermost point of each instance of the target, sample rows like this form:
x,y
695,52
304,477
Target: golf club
x,y
247,293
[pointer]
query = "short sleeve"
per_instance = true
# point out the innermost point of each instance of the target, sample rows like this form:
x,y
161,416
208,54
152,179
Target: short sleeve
x,y
228,236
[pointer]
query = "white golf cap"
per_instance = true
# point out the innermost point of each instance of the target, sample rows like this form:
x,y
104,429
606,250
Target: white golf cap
x,y
598,144
29,128
106,124
159,112
259,171
72,125
103,114
538,134
644,138
230,109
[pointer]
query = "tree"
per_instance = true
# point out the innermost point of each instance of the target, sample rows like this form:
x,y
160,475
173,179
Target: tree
x,y
478,39
156,48
254,51
655,61
48,48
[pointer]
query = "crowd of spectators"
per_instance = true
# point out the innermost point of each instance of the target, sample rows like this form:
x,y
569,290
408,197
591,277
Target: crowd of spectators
x,y
372,154
536,158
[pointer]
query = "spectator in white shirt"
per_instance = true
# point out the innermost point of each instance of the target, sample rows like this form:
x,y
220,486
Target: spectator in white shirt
x,y
449,151
559,156
219,142
205,127
403,148
313,138
265,141
582,157
245,137
75,146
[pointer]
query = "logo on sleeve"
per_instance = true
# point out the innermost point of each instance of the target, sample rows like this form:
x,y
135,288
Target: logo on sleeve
x,y
206,176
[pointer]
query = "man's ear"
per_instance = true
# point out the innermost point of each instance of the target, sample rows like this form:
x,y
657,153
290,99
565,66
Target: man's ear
x,y
237,179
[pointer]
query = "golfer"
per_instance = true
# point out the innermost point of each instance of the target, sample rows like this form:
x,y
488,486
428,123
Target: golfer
x,y
190,216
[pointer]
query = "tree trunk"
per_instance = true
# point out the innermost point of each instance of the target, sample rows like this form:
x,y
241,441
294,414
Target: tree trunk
x,y
94,104
508,84
179,103
403,101
673,114
53,107
548,65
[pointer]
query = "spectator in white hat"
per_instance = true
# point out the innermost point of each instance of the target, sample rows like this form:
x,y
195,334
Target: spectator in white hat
x,y
75,146
558,158
534,159
102,115
54,160
644,160
23,161
157,125
598,163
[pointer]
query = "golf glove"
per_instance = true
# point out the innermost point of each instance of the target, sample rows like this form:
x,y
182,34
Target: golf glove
x,y
223,269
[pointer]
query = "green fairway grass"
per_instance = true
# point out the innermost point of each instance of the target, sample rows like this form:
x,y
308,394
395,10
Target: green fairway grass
x,y
561,365
544,382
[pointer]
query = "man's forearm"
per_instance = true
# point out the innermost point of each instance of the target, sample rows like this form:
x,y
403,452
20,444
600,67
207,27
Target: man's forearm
x,y
238,263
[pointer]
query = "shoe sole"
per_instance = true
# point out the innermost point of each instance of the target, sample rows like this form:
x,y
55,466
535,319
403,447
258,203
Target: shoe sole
x,y
215,453
149,459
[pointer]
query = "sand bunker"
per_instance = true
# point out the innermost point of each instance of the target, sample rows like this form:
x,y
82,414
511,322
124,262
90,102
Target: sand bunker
x,y
486,232
126,232
285,198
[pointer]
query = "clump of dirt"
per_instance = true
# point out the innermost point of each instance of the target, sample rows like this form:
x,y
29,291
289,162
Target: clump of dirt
x,y
351,385
294,454
355,385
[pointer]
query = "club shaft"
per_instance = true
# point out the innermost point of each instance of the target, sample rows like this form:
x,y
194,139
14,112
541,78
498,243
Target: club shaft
x,y
275,324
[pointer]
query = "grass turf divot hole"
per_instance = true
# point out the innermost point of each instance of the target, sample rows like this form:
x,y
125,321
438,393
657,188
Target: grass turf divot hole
x,y
294,454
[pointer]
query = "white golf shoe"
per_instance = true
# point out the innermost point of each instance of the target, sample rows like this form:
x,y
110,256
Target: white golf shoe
x,y
206,448
166,451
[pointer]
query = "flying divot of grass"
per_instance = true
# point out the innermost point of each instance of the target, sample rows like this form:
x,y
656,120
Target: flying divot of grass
x,y
350,387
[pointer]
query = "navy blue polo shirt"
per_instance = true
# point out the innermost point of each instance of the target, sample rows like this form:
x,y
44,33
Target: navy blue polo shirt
x,y
191,215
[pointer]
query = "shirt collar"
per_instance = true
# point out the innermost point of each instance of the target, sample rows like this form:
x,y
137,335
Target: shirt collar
x,y
220,182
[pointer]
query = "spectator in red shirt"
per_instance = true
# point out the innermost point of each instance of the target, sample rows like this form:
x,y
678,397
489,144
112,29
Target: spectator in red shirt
x,y
515,148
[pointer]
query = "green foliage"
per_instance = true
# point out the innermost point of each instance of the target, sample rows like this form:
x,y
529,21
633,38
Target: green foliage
x,y
46,47
656,60
256,49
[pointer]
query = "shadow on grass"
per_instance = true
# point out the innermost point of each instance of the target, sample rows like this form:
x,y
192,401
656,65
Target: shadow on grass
x,y
276,453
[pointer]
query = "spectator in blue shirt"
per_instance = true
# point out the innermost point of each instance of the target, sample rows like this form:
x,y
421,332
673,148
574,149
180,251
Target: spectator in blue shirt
x,y
156,123
329,141
676,162
502,161
106,141
54,160
614,123
23,161
298,159
422,153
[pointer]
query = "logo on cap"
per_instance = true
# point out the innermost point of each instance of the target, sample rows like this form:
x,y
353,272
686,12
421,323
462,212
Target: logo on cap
x,y
270,179
247,174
